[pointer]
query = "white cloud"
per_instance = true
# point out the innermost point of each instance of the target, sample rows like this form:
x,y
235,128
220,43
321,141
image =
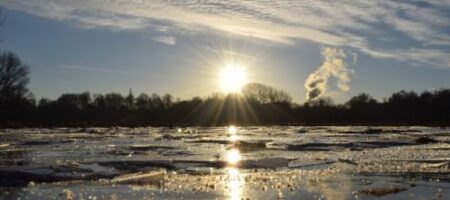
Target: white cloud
x,y
334,65
165,39
345,23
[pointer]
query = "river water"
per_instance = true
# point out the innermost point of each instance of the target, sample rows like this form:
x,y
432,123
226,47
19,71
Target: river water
x,y
268,162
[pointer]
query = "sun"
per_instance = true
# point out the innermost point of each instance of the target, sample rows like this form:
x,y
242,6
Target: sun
x,y
232,78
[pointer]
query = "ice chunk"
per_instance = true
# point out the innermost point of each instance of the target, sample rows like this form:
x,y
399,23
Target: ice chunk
x,y
141,178
382,191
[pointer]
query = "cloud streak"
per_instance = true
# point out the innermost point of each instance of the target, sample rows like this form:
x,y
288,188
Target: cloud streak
x,y
103,70
347,23
165,39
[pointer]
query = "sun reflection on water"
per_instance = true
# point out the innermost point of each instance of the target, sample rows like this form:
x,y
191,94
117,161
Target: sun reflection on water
x,y
233,156
232,132
234,183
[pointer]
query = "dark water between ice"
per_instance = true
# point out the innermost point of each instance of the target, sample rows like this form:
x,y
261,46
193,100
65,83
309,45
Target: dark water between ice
x,y
226,163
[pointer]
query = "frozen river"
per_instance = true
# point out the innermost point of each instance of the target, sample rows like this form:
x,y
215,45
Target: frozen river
x,y
226,163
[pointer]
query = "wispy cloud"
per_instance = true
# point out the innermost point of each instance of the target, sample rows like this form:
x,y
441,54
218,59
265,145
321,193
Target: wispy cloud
x,y
96,69
102,70
346,23
228,53
165,39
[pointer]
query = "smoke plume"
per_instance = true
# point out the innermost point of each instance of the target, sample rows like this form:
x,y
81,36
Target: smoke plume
x,y
334,65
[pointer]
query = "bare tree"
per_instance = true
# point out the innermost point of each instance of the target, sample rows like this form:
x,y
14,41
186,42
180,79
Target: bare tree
x,y
13,77
143,101
361,100
265,94
167,100
130,100
321,102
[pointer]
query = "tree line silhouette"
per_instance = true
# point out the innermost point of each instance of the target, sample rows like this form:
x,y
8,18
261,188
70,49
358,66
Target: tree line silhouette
x,y
258,104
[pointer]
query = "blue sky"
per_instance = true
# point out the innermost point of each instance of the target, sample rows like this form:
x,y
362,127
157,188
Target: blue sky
x,y
178,47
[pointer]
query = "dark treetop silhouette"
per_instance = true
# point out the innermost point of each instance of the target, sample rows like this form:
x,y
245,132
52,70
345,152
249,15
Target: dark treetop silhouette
x,y
257,105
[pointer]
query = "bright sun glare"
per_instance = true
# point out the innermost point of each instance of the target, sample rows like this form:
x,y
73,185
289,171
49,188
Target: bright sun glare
x,y
232,78
233,156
